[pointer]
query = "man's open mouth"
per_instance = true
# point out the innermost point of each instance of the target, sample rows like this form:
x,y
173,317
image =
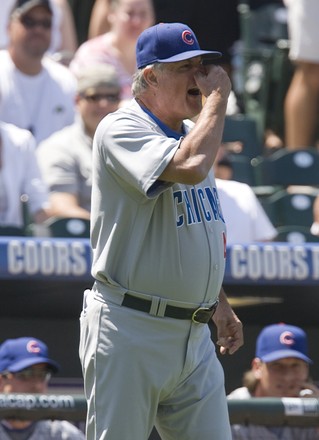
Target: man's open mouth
x,y
194,91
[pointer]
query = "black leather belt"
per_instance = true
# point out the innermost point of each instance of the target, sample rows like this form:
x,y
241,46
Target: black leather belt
x,y
200,315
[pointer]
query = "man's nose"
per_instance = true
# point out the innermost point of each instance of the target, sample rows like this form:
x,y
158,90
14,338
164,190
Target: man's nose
x,y
38,386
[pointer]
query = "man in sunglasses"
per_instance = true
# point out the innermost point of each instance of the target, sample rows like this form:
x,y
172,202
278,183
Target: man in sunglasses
x,y
36,92
26,368
65,158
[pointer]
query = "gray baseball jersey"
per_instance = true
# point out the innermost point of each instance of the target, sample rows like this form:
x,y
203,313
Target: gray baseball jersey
x,y
151,236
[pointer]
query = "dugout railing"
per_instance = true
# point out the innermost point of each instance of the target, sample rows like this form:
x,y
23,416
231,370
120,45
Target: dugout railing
x,y
302,412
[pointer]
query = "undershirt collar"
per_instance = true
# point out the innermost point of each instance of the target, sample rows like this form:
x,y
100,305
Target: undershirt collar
x,y
168,131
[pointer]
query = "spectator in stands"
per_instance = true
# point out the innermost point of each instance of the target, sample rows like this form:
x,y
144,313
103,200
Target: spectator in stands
x,y
302,99
26,368
36,92
215,22
64,38
19,177
279,369
65,157
99,23
244,215
128,18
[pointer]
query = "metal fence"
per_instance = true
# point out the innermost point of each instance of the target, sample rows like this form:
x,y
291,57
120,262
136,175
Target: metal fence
x,y
251,419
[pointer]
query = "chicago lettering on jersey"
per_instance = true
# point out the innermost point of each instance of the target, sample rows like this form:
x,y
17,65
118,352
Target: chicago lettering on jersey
x,y
197,205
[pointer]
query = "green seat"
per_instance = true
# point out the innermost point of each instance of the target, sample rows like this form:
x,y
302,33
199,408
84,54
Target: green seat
x,y
290,209
267,70
295,235
243,129
68,227
242,169
11,231
284,167
262,27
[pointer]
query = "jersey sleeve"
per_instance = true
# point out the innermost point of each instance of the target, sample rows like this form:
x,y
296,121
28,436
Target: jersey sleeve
x,y
136,155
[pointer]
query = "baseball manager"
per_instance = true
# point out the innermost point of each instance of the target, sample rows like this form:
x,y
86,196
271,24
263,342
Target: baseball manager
x,y
158,239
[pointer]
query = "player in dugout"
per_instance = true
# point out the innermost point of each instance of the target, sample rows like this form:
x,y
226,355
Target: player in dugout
x,y
26,368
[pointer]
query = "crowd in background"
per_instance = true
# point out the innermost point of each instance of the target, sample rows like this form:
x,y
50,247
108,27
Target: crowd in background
x,y
64,65
45,52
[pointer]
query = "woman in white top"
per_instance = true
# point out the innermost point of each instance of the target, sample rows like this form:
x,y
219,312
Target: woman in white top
x,y
127,18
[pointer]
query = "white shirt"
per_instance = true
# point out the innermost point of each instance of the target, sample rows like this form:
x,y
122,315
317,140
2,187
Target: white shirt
x,y
56,38
246,220
42,103
20,174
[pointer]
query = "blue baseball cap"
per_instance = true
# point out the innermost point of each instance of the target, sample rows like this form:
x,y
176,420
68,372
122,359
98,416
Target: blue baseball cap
x,y
278,341
168,43
18,354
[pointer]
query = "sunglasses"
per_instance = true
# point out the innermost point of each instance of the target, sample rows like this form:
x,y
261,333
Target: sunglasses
x,y
97,97
31,23
29,374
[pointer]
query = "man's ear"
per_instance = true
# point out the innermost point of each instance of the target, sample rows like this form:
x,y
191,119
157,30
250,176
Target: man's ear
x,y
150,77
256,366
5,386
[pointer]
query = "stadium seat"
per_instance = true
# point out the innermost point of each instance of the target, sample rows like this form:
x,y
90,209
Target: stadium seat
x,y
243,129
286,208
68,227
11,231
242,168
285,167
295,235
267,70
261,28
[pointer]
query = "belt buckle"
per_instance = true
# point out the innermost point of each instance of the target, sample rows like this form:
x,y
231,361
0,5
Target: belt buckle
x,y
208,313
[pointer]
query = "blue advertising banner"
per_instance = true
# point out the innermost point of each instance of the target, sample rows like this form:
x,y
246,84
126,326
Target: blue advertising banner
x,y
70,260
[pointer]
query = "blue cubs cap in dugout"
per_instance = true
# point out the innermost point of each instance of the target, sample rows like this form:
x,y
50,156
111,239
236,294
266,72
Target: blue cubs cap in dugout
x,y
168,43
278,341
18,354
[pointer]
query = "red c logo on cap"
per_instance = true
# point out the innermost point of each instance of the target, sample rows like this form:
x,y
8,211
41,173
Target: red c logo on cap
x,y
188,38
33,347
287,338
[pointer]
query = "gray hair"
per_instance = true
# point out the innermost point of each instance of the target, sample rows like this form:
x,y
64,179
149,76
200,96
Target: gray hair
x,y
139,85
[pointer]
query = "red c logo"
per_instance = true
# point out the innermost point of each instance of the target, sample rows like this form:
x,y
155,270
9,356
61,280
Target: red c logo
x,y
33,347
287,338
188,38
